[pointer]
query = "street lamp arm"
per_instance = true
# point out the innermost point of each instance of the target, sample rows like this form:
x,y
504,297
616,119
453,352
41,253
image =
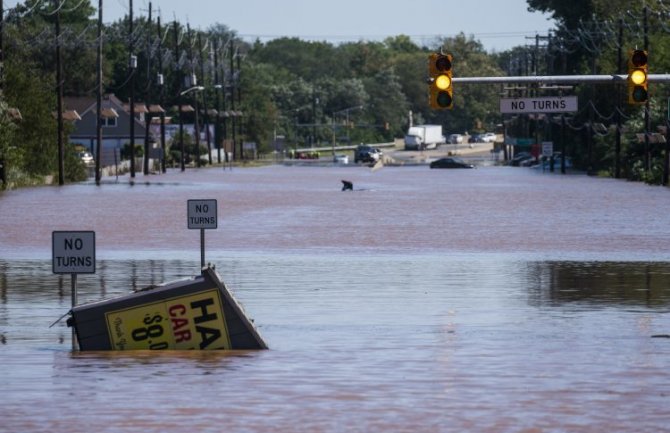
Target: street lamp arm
x,y
346,110
192,89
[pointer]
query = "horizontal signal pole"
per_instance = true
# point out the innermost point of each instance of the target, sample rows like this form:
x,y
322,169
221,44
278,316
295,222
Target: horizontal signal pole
x,y
558,79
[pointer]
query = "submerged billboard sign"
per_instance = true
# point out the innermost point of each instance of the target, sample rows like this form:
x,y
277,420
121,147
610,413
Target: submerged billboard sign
x,y
198,313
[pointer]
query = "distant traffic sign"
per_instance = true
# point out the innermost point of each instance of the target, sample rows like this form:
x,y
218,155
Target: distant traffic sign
x,y
73,252
202,214
549,104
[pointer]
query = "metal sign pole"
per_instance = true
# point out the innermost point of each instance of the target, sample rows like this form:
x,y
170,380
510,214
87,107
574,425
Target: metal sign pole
x,y
202,215
73,283
73,252
202,248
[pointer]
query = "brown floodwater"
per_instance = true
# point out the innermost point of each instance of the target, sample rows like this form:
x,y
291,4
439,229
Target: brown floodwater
x,y
490,300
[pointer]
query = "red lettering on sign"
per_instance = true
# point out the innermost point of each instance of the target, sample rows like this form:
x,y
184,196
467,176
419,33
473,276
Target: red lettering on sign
x,y
177,310
184,335
178,323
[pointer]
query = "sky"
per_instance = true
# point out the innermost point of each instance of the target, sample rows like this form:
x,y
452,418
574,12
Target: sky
x,y
497,24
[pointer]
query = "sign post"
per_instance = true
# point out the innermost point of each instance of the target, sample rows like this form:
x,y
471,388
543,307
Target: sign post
x,y
73,253
202,214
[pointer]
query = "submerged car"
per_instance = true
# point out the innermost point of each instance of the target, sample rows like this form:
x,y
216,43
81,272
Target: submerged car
x,y
450,163
365,153
521,158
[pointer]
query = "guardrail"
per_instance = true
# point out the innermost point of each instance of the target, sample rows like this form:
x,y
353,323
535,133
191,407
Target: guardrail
x,y
340,148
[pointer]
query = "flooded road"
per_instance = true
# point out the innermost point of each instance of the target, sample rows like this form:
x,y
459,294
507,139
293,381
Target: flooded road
x,y
490,300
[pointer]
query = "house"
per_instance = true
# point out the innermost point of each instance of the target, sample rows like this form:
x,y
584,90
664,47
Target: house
x,y
115,127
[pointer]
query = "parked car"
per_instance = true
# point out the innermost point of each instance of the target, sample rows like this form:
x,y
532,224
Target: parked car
x,y
365,153
477,138
450,163
546,162
488,137
86,157
456,139
342,159
521,158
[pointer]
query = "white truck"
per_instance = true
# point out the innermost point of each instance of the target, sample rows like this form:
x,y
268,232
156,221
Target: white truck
x,y
421,137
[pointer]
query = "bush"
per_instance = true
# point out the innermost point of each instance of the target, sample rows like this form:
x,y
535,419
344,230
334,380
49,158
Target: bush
x,y
125,151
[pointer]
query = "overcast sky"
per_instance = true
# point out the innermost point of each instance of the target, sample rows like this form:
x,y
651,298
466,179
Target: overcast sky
x,y
498,24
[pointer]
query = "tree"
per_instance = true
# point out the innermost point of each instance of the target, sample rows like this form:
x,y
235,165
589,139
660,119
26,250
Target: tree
x,y
35,136
387,102
9,154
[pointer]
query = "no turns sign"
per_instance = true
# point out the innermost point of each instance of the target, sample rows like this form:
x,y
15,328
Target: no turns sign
x,y
73,252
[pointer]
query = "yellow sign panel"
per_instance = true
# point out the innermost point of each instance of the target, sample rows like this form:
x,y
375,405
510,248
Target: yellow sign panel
x,y
193,321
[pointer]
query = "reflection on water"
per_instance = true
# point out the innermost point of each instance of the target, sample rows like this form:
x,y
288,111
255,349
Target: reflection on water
x,y
430,302
602,283
467,343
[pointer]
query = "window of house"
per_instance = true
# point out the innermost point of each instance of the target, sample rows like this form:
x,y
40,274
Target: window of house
x,y
109,122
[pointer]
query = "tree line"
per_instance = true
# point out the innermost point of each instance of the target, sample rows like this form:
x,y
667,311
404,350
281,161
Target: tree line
x,y
314,92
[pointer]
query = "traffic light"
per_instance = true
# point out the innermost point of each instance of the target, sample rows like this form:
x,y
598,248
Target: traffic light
x,y
439,67
637,77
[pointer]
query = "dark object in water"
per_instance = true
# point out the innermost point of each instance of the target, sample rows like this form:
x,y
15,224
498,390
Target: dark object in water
x,y
198,313
347,185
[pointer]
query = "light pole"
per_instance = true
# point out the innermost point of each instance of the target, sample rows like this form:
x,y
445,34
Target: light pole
x,y
195,88
217,124
346,111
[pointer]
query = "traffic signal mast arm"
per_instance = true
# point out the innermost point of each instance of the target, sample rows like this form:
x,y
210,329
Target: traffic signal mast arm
x,y
559,79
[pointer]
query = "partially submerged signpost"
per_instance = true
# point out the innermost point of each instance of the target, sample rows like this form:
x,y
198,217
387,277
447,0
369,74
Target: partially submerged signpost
x,y
202,215
194,314
73,253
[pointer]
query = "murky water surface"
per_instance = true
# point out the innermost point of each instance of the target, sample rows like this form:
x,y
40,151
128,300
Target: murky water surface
x,y
488,300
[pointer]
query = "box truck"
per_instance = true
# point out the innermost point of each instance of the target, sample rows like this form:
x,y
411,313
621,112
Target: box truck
x,y
421,137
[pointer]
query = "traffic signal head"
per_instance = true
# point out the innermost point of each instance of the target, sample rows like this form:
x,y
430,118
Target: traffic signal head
x,y
439,67
637,77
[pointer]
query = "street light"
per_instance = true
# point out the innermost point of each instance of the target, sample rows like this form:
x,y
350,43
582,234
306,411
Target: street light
x,y
346,111
197,127
192,89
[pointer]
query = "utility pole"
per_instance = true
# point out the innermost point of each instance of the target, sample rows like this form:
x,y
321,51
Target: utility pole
x,y
147,115
3,173
59,103
617,142
204,101
314,102
192,83
647,123
161,83
180,81
232,98
98,103
132,65
217,83
238,80
224,125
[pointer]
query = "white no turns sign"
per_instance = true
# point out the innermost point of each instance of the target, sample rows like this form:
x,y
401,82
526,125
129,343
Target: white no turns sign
x,y
73,252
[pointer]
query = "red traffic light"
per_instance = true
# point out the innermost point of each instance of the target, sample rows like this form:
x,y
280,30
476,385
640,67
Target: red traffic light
x,y
639,58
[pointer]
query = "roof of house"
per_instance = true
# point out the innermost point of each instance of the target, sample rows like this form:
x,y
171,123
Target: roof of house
x,y
84,104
